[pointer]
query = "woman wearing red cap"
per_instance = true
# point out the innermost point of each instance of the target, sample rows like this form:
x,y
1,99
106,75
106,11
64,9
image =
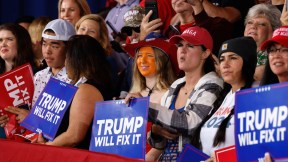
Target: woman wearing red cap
x,y
152,74
189,99
276,70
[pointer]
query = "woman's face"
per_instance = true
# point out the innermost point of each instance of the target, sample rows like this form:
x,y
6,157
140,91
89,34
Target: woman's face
x,y
70,11
259,28
8,45
146,61
190,57
231,68
89,27
278,59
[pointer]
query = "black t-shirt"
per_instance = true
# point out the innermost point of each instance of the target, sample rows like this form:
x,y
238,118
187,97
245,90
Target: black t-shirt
x,y
243,6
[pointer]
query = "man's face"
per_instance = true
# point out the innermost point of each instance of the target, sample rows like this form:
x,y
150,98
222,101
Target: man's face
x,y
54,52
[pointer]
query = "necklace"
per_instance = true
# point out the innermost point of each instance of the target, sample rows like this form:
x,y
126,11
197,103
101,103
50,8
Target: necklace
x,y
186,91
150,90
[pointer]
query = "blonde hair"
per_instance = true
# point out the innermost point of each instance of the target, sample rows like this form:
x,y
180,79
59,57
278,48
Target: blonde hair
x,y
36,27
104,38
165,75
83,6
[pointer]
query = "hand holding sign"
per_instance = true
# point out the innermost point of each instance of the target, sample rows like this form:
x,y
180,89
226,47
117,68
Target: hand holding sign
x,y
119,129
50,107
261,122
21,113
16,89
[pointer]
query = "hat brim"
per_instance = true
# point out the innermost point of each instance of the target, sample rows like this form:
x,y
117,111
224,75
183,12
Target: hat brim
x,y
166,47
161,44
177,38
276,39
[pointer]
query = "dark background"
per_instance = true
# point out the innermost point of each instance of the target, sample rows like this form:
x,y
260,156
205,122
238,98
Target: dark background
x,y
11,10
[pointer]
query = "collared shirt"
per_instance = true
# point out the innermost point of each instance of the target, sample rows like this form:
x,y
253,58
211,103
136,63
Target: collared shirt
x,y
197,107
115,15
42,77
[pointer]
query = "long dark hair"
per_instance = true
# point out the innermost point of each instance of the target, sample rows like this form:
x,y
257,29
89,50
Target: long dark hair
x,y
24,46
195,140
209,63
221,132
248,70
269,77
86,57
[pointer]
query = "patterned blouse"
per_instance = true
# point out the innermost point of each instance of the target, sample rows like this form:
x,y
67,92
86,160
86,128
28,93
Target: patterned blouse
x,y
42,77
261,57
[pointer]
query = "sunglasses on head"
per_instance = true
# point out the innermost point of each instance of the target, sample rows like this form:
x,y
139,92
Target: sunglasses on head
x,y
128,30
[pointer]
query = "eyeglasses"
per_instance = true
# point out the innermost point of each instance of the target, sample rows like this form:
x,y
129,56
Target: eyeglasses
x,y
128,30
274,50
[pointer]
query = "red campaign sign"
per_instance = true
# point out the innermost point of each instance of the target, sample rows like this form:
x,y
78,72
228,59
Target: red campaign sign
x,y
226,154
17,88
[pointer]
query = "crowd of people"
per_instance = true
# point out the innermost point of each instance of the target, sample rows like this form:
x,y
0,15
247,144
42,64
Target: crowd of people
x,y
191,60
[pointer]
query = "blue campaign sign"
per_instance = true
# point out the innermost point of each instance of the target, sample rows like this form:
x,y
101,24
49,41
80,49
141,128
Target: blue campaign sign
x,y
50,107
261,123
119,129
191,153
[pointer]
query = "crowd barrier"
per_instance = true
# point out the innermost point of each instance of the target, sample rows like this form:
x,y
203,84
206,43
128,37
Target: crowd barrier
x,y
11,151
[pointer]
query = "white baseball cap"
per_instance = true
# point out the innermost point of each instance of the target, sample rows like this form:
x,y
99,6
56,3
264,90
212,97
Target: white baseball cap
x,y
63,30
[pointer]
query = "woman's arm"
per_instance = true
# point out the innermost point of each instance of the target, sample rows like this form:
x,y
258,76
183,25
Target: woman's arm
x,y
153,154
284,15
21,113
197,110
231,14
81,115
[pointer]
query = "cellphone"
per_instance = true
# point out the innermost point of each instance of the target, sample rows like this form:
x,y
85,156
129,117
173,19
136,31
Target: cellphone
x,y
151,5
112,27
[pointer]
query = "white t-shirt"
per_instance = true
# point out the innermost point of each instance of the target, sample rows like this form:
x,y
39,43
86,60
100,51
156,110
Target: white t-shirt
x,y
209,129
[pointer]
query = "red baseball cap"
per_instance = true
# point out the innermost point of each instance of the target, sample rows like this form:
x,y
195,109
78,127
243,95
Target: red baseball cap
x,y
280,36
194,35
163,45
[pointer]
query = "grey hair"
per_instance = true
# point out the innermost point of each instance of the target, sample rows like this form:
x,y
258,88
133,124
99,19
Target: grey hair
x,y
271,12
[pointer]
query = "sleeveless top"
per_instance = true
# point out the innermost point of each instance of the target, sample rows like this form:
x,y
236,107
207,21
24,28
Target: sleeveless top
x,y
65,121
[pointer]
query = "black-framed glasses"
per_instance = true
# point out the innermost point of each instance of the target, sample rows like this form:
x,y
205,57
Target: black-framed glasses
x,y
128,30
274,50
